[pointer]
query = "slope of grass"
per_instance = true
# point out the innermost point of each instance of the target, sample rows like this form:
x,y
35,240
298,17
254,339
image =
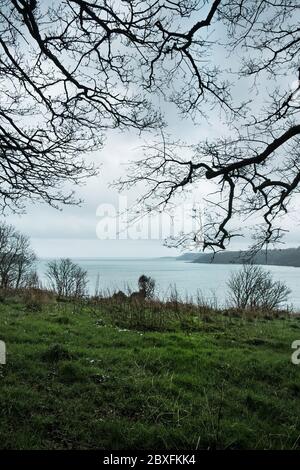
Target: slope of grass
x,y
87,378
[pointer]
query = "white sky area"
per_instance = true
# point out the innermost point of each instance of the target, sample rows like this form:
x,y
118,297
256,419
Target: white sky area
x,y
73,231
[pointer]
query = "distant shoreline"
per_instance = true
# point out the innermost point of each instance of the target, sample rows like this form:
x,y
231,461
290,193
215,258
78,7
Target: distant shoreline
x,y
289,257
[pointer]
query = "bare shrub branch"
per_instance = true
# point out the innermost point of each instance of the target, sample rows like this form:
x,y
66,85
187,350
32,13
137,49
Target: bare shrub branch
x,y
254,288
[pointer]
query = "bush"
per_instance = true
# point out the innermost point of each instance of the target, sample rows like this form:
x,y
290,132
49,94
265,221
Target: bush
x,y
254,288
66,278
146,286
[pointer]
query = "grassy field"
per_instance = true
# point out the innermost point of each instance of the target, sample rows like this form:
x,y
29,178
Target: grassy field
x,y
113,376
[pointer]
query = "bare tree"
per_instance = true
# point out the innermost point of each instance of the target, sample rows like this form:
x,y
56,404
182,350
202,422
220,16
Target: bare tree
x,y
66,278
255,167
32,280
16,257
253,287
66,70
71,70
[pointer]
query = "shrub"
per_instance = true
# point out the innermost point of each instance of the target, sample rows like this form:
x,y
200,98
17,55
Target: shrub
x,y
254,288
66,278
146,286
119,296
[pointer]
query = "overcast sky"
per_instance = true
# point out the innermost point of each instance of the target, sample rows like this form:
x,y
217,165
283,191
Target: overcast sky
x,y
75,231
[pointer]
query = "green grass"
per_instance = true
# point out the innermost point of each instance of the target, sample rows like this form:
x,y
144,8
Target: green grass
x,y
111,376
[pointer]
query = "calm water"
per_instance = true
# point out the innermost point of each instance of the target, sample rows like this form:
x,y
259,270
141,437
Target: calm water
x,y
210,279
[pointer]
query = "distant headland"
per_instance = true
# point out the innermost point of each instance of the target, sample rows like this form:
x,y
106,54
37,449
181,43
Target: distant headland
x,y
276,257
